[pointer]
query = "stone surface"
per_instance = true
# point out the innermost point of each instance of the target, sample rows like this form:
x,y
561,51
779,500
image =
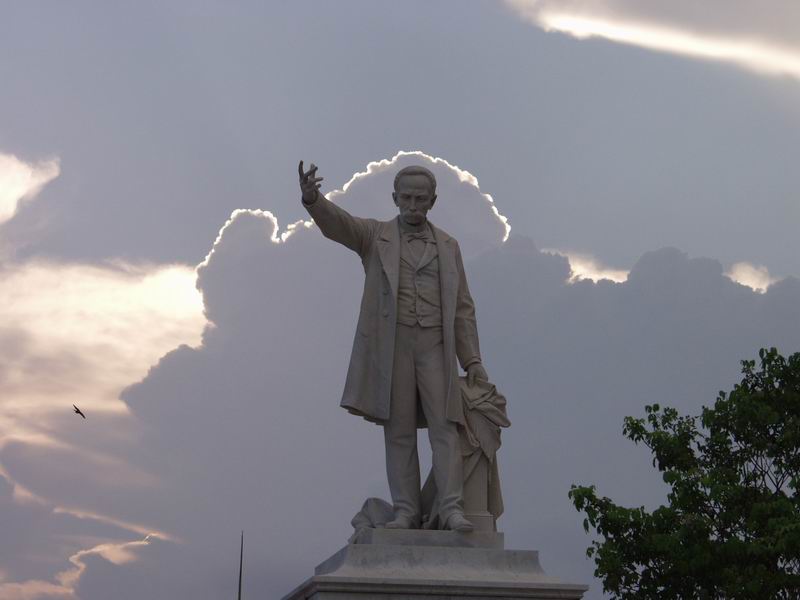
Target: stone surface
x,y
419,537
415,326
440,565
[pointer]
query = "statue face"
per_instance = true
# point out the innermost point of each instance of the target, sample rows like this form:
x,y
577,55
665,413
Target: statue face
x,y
414,197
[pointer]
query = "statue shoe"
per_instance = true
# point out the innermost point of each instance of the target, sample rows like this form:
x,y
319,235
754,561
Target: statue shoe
x,y
458,522
400,522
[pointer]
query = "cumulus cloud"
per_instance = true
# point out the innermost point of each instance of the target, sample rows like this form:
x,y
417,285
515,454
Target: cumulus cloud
x,y
244,431
573,359
255,407
116,320
368,192
746,34
77,334
753,276
452,181
586,266
74,333
21,181
262,437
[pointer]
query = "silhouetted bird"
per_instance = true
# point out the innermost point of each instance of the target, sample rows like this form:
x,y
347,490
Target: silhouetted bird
x,y
78,411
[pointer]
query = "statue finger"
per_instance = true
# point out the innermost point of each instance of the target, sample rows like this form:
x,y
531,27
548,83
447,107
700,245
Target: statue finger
x,y
300,170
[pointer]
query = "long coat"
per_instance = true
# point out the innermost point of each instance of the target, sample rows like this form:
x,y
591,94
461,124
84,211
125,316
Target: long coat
x,y
367,390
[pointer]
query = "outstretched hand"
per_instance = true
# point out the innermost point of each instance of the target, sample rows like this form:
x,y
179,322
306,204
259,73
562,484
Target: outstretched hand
x,y
476,371
309,183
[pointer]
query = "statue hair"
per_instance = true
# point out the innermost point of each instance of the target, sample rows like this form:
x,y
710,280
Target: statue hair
x,y
416,170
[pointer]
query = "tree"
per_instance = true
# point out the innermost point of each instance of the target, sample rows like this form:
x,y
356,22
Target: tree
x,y
731,527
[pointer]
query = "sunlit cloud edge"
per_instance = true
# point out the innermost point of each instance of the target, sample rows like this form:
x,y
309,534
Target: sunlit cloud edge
x,y
278,236
21,181
755,277
752,54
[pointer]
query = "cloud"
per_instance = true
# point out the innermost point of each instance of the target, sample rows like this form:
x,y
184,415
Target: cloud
x,y
134,570
404,158
756,277
36,540
67,328
452,183
35,590
260,322
263,445
586,267
21,181
72,333
97,327
244,430
78,333
292,467
740,33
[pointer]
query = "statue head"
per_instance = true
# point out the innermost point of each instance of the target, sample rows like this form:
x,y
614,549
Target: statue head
x,y
414,194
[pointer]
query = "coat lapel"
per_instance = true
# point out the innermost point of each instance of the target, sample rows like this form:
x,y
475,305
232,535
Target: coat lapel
x,y
389,253
448,280
448,276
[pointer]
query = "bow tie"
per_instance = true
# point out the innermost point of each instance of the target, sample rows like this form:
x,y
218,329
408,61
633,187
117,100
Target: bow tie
x,y
425,236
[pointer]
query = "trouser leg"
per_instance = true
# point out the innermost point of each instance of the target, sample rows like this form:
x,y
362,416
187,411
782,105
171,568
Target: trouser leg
x,y
443,434
400,432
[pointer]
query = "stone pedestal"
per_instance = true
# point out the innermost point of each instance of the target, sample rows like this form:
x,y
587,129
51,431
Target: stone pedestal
x,y
476,497
443,565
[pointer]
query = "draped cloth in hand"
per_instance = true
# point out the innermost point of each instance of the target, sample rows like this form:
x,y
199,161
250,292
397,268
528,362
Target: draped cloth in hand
x,y
484,414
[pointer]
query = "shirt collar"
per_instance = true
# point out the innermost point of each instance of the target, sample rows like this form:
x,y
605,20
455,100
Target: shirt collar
x,y
425,235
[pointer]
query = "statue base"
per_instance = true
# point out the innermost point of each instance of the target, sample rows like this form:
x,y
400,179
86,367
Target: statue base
x,y
419,565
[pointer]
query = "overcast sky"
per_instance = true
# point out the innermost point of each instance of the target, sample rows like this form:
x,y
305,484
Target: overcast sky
x,y
639,158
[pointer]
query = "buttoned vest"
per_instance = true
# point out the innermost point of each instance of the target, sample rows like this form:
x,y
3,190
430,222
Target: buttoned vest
x,y
419,295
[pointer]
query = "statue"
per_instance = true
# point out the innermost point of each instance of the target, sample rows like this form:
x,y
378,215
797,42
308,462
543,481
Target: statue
x,y
416,325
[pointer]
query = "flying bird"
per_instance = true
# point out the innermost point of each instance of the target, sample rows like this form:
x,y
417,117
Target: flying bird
x,y
78,411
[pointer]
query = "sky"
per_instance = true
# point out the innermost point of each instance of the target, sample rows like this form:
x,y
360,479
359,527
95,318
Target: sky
x,y
621,177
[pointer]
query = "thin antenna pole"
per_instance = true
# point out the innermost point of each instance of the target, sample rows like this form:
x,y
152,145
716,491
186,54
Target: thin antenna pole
x,y
241,556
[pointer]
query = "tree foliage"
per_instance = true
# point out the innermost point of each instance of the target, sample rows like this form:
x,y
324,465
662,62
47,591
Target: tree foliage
x,y
731,526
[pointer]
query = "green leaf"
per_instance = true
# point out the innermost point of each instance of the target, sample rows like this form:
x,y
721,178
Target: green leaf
x,y
731,527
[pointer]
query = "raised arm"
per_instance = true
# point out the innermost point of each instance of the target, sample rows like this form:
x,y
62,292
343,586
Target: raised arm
x,y
333,221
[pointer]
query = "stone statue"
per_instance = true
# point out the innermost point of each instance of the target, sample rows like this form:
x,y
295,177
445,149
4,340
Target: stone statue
x,y
416,325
